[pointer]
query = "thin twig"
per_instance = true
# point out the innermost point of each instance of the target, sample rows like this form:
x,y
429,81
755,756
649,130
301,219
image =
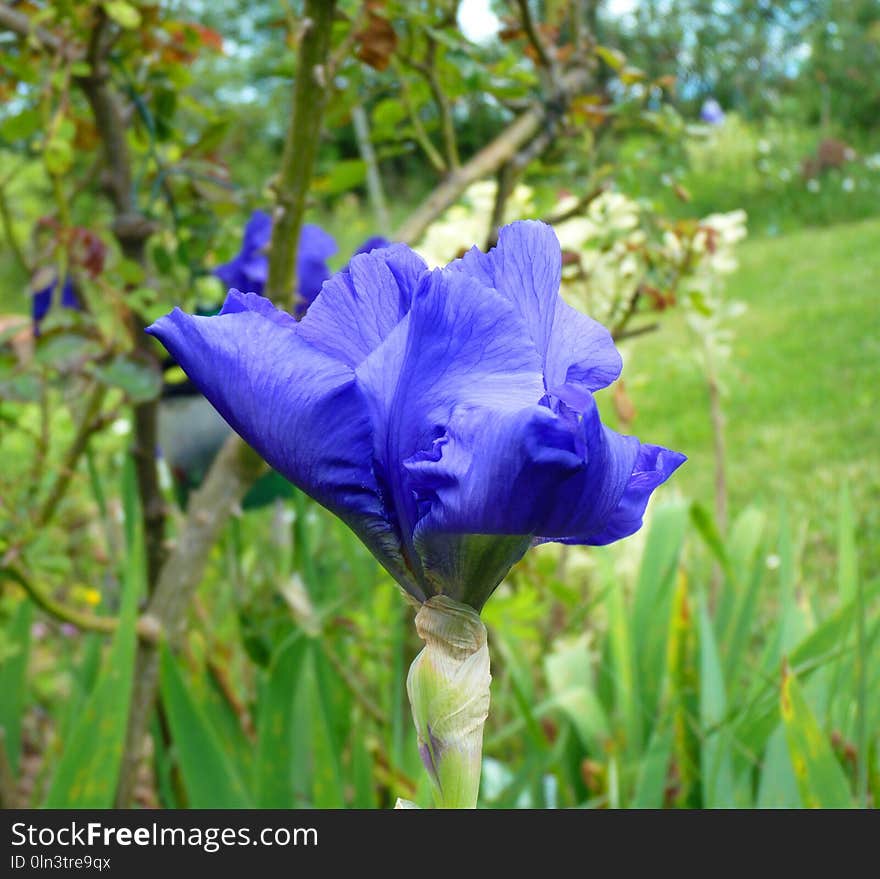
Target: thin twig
x,y
87,426
146,626
578,207
428,70
525,17
21,24
419,133
519,133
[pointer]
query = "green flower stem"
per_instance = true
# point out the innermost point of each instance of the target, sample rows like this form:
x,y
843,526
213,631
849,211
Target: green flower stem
x,y
448,688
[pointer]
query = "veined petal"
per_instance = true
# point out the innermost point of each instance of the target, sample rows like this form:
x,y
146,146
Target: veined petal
x,y
494,473
526,267
359,306
584,502
487,485
654,465
461,347
300,409
607,499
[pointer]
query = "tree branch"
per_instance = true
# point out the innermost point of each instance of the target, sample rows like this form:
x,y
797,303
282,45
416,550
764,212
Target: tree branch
x,y
428,71
232,474
419,132
504,148
132,230
505,182
300,149
86,428
146,626
19,23
237,466
375,188
525,17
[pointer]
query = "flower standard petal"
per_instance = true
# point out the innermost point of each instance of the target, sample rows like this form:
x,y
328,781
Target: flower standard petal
x,y
249,268
526,267
462,346
359,306
41,302
300,409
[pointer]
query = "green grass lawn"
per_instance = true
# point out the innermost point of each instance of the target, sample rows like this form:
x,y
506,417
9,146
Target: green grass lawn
x,y
801,387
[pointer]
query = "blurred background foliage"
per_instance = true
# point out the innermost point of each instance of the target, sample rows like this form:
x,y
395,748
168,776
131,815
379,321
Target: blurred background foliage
x,y
727,655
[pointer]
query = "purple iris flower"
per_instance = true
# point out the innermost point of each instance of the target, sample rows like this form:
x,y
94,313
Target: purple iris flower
x,y
447,416
249,269
42,299
377,242
711,112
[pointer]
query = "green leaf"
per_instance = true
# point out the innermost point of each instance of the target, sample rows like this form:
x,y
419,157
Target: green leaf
x,y
654,770
123,13
814,652
778,787
749,570
652,602
274,782
622,663
821,780
707,529
88,771
138,381
567,670
328,790
13,679
716,763
847,558
345,174
683,695
66,352
22,125
211,779
614,58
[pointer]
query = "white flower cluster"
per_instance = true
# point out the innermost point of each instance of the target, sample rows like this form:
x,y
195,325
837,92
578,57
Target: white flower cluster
x,y
467,222
613,247
701,290
609,240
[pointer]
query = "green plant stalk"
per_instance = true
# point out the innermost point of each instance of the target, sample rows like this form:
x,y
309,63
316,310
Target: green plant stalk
x,y
310,93
448,688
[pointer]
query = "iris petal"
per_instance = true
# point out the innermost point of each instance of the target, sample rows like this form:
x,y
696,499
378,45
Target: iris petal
x,y
359,306
526,267
487,485
300,409
654,465
461,347
612,490
315,247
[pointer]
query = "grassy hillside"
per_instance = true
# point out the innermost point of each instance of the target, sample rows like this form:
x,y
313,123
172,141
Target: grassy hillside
x,y
801,389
